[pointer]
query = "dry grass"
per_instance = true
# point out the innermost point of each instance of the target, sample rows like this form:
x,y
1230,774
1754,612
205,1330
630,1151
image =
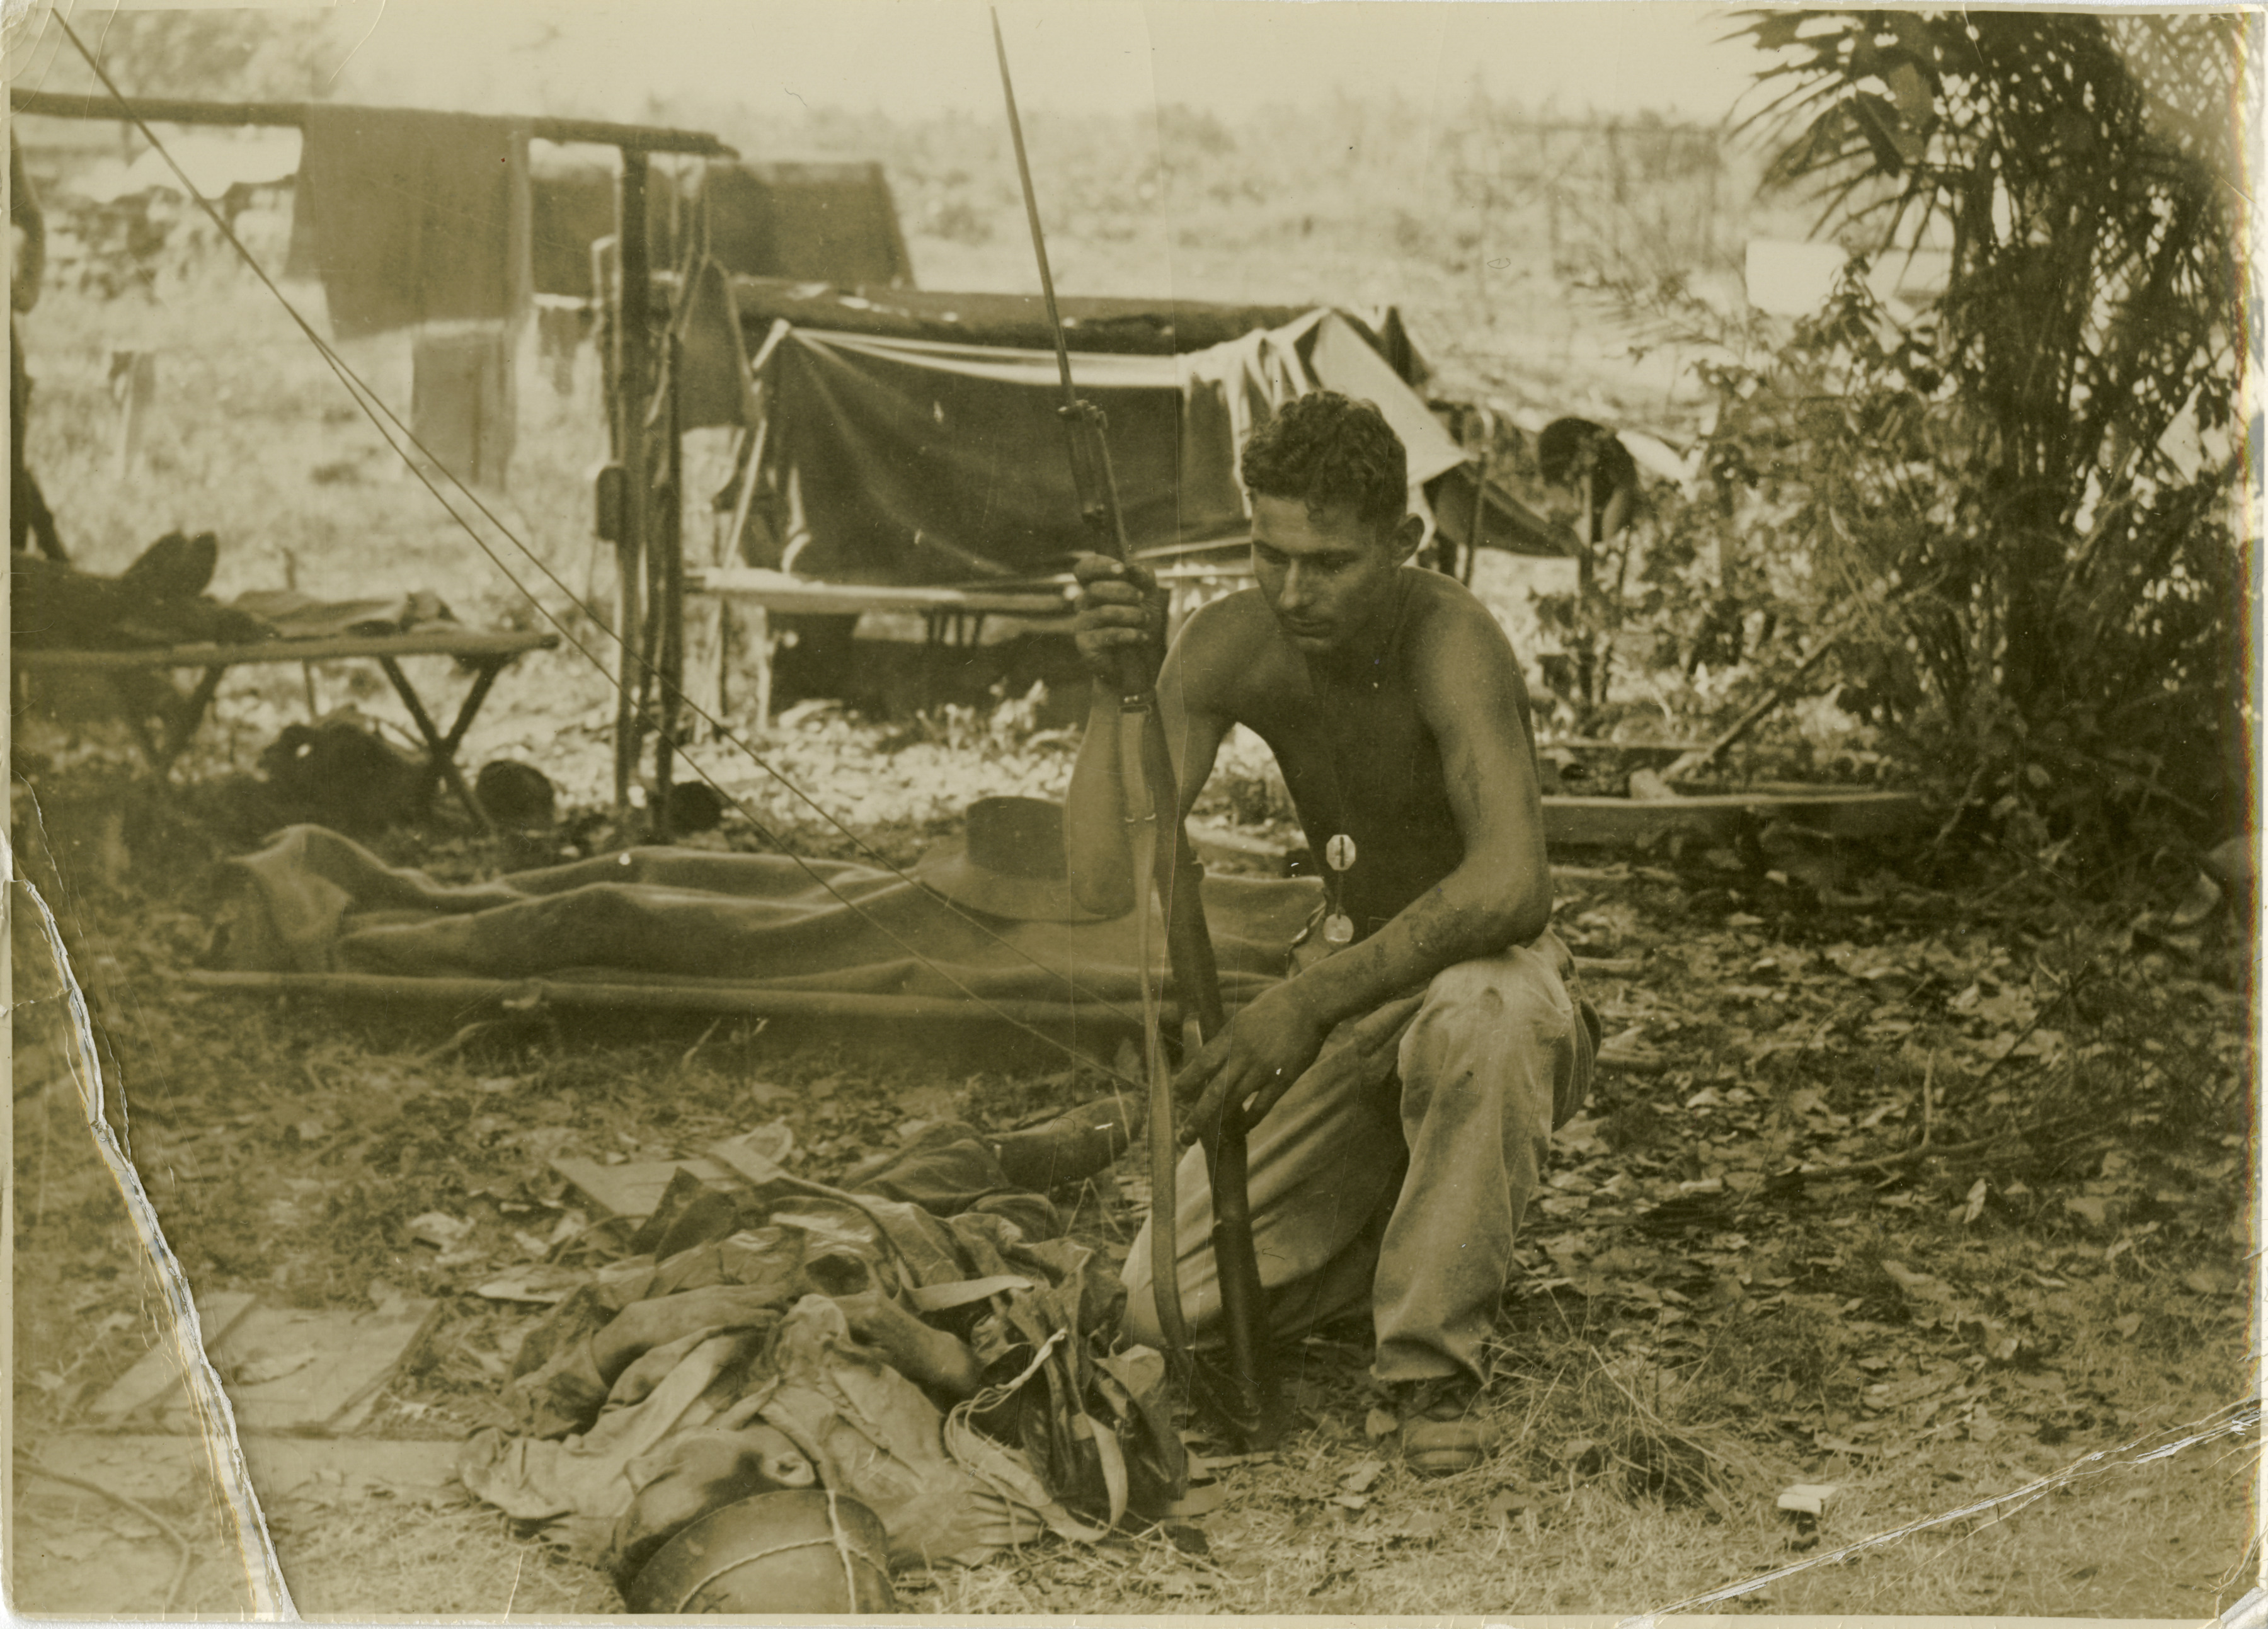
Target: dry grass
x,y
460,1559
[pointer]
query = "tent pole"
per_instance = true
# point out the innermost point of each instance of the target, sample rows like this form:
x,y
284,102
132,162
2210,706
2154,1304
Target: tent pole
x,y
669,543
1480,496
633,388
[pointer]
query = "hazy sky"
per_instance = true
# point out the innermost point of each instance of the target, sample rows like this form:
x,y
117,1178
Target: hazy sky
x,y
924,56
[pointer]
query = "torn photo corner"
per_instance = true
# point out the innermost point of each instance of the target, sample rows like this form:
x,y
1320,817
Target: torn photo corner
x,y
565,1059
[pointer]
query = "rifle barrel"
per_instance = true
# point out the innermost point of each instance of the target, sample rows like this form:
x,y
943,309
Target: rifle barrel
x,y
1032,215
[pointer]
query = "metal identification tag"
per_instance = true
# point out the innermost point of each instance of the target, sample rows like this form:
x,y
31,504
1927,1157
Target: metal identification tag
x,y
1338,854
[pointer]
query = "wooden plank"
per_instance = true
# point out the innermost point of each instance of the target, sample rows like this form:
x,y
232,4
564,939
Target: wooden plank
x,y
290,1369
1627,822
178,1470
631,1191
458,642
1621,822
158,1373
777,591
1591,743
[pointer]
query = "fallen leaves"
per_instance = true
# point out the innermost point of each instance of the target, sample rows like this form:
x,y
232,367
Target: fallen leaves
x,y
2211,1280
1808,1498
2099,1211
1362,1476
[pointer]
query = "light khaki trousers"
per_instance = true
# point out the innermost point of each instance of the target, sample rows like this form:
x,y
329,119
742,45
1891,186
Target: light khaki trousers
x,y
1406,1201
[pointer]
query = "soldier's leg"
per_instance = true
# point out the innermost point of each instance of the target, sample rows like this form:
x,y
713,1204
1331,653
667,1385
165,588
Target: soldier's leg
x,y
1325,1164
1497,1056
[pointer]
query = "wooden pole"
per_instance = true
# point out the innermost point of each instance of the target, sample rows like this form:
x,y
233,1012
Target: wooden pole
x,y
669,552
1480,495
633,377
760,649
688,995
640,138
134,378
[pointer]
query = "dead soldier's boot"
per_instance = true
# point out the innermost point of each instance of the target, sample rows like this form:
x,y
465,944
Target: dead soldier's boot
x,y
1443,1430
1071,1147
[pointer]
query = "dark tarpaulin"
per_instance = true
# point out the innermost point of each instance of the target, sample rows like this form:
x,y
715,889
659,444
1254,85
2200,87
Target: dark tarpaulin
x,y
411,217
572,206
908,461
923,463
1505,523
836,222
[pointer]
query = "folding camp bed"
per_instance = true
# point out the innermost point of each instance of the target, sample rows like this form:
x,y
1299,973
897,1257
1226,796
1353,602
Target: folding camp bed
x,y
487,653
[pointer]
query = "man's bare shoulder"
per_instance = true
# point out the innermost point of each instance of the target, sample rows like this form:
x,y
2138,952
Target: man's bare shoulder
x,y
1235,619
1463,670
1231,659
1448,620
1229,633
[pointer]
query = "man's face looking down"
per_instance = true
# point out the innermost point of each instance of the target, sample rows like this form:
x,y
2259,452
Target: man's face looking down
x,y
1326,574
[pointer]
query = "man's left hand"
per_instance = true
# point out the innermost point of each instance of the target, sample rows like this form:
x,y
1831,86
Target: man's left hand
x,y
1267,1047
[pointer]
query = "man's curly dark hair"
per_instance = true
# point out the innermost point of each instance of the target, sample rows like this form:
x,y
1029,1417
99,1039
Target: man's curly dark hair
x,y
1328,449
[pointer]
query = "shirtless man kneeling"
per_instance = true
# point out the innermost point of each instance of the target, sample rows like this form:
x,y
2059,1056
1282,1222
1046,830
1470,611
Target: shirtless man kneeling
x,y
1397,713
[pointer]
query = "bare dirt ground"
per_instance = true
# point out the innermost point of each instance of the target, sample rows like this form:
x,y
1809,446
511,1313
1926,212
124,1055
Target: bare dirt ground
x,y
1926,1195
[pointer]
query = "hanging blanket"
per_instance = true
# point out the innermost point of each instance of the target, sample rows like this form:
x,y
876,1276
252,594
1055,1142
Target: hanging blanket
x,y
413,217
312,901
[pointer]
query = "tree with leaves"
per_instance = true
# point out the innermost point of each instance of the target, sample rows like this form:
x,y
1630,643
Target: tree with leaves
x,y
2036,481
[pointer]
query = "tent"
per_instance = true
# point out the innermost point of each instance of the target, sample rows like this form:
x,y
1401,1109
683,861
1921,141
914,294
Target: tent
x,y
881,458
832,221
835,220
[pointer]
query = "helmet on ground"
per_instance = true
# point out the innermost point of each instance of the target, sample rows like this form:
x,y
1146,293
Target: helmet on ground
x,y
805,1551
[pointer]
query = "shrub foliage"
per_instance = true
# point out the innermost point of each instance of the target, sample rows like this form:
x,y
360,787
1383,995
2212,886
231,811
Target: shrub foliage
x,y
2015,514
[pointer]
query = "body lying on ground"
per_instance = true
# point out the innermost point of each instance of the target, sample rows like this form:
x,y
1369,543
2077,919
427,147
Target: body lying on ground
x,y
929,1345
1402,1085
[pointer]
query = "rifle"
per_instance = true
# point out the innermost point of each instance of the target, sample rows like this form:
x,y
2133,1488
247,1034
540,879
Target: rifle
x,y
1248,1401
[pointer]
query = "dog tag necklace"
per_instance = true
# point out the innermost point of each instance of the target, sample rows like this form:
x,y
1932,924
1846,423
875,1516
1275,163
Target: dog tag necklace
x,y
1340,851
1338,854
